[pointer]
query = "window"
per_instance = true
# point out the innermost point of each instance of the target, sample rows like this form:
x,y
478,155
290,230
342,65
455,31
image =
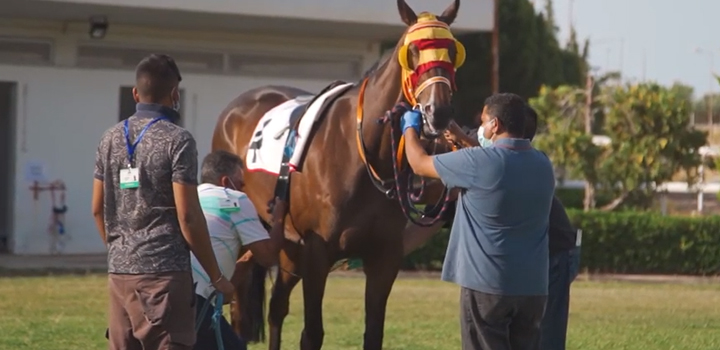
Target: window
x,y
280,65
329,68
25,51
127,104
127,58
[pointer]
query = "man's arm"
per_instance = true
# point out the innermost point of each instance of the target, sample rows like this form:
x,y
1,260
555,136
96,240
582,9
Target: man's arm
x,y
194,227
419,160
98,209
266,251
190,215
98,195
455,169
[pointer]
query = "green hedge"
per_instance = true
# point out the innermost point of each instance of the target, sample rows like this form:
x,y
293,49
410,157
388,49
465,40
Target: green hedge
x,y
626,242
574,197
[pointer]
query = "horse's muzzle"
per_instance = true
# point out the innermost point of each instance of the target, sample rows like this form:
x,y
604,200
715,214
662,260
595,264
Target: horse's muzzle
x,y
436,119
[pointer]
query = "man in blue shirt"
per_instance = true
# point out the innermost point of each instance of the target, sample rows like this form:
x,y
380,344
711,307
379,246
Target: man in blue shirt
x,y
498,248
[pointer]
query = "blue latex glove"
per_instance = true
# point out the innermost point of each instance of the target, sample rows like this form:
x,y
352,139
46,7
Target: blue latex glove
x,y
411,119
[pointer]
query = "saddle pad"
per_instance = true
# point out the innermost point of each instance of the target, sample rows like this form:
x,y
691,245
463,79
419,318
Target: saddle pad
x,y
267,145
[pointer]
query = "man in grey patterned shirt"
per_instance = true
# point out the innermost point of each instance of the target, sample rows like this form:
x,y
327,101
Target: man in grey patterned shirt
x,y
147,211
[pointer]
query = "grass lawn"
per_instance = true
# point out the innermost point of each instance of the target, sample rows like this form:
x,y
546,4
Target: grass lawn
x,y
68,312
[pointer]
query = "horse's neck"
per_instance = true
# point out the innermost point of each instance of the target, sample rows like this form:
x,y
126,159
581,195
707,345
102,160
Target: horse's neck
x,y
381,94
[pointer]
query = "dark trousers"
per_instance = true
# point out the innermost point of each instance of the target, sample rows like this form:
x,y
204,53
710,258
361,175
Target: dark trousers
x,y
500,322
206,334
563,270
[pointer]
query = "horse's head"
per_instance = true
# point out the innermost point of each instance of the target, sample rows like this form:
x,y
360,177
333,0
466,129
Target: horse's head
x,y
429,55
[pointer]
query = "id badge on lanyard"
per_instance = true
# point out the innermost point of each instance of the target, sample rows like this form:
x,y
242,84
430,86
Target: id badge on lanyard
x,y
227,204
130,176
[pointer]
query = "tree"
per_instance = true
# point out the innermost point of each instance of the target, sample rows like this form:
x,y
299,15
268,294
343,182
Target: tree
x,y
649,128
563,137
530,57
652,139
550,15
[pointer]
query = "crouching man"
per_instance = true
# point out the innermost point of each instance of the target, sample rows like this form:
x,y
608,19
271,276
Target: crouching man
x,y
233,224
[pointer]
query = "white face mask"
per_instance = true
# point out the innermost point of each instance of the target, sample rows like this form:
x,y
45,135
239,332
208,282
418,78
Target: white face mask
x,y
481,137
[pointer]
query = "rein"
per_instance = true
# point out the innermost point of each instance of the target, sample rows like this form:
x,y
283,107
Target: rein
x,y
401,186
376,180
404,176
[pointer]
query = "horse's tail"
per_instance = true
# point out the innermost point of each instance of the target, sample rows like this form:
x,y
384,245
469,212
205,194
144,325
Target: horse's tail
x,y
252,321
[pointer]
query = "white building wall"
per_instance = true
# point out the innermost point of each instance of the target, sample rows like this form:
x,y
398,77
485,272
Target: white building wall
x,y
61,114
474,15
62,110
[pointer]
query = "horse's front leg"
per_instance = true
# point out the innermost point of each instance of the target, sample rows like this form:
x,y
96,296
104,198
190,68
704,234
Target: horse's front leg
x,y
381,268
286,280
315,270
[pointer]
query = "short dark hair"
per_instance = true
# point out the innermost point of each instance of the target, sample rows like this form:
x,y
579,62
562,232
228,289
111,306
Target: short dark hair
x,y
531,119
218,164
509,109
156,76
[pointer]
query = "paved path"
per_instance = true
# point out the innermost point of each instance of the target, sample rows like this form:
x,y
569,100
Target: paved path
x,y
15,265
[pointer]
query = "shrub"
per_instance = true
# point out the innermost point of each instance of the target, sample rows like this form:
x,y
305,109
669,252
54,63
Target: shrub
x,y
625,242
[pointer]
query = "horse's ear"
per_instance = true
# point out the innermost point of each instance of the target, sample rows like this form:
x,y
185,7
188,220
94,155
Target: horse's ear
x,y
448,16
406,13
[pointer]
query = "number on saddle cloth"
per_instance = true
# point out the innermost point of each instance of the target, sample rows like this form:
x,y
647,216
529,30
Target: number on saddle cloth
x,y
257,141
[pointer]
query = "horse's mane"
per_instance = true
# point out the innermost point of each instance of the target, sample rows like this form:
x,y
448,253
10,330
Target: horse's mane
x,y
379,63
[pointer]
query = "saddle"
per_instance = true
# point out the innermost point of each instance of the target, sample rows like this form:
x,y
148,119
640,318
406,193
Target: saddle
x,y
307,101
282,187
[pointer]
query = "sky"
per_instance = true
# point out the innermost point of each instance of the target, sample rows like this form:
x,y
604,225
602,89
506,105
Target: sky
x,y
651,39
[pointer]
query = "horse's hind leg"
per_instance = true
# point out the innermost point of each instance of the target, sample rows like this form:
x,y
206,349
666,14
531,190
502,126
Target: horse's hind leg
x,y
315,270
286,280
381,268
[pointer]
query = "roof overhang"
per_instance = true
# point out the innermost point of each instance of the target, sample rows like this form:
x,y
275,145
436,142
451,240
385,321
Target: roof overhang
x,y
346,19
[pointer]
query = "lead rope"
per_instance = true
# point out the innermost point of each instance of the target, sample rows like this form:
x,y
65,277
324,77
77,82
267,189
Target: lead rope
x,y
214,318
403,178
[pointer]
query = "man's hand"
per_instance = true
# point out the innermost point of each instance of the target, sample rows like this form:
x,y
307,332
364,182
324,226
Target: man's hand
x,y
226,288
411,119
456,136
246,257
452,139
450,136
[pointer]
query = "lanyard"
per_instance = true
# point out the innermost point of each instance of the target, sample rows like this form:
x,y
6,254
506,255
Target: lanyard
x,y
131,146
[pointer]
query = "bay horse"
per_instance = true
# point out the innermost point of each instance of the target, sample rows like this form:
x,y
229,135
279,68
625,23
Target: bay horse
x,y
335,211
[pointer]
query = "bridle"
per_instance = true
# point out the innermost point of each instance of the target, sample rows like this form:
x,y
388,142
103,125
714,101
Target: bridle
x,y
434,40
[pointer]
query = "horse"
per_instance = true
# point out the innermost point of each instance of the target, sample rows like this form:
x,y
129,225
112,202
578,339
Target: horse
x,y
335,211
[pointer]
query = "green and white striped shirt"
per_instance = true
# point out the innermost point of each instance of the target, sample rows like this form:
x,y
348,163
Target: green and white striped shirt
x,y
232,222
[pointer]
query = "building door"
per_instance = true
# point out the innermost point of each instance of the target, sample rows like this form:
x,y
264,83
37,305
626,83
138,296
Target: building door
x,y
127,104
8,117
